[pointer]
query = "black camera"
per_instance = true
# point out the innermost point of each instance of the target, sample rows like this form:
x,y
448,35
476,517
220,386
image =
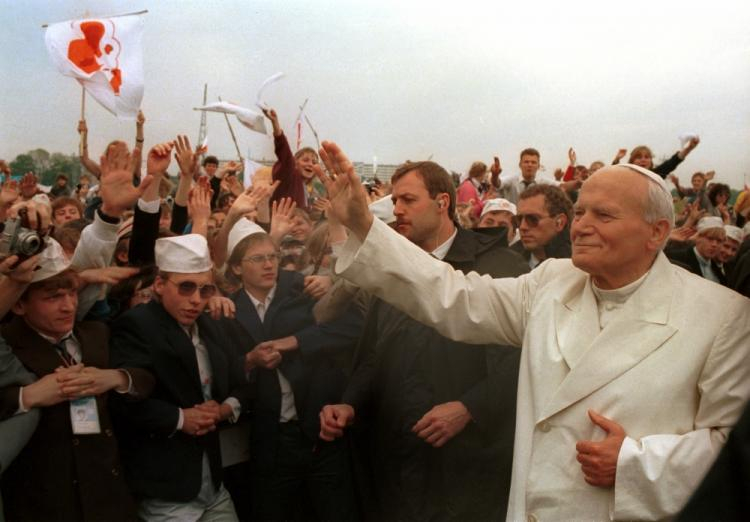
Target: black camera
x,y
19,240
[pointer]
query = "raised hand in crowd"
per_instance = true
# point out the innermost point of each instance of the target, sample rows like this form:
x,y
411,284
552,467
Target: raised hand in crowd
x,y
442,423
199,206
38,215
321,205
282,219
232,185
9,193
345,191
495,170
271,115
694,141
116,183
334,418
220,306
16,276
187,158
28,185
710,175
86,161
619,155
316,286
572,158
262,356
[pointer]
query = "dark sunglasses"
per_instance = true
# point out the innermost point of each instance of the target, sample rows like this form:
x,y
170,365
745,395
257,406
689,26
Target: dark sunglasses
x,y
188,288
532,219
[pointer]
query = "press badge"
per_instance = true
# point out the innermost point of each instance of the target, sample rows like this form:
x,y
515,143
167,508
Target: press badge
x,y
84,417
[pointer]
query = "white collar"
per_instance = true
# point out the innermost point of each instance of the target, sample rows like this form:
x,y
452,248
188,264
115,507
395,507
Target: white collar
x,y
702,260
268,300
52,340
441,251
618,295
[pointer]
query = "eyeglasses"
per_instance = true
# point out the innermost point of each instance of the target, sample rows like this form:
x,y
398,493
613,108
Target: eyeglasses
x,y
260,258
188,288
532,219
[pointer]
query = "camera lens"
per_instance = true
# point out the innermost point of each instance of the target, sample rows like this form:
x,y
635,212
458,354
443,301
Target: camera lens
x,y
28,243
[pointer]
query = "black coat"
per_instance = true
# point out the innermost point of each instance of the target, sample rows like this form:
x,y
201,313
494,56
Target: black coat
x,y
686,257
402,370
159,461
559,247
59,475
315,370
739,277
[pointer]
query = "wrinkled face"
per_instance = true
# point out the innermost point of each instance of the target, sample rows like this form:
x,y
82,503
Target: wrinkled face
x,y
610,238
709,242
529,166
728,250
498,218
65,214
417,215
210,169
697,182
305,164
259,267
538,227
52,312
301,228
184,308
643,159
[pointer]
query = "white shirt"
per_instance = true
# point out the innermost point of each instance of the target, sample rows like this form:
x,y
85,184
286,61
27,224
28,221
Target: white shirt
x,y
512,185
706,268
441,251
288,409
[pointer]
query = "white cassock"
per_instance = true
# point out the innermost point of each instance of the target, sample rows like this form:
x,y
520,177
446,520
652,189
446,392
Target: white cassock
x,y
672,366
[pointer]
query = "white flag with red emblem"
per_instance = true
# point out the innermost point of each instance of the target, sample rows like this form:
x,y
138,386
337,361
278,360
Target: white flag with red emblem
x,y
105,55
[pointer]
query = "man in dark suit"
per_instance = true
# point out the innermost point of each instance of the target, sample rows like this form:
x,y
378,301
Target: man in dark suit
x,y
72,467
295,367
543,217
435,422
701,258
170,446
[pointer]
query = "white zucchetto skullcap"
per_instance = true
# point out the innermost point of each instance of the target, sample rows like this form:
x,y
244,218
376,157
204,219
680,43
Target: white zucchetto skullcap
x,y
243,228
710,222
650,175
186,254
51,262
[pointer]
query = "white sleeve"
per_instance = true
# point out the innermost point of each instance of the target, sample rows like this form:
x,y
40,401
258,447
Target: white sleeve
x,y
465,307
657,474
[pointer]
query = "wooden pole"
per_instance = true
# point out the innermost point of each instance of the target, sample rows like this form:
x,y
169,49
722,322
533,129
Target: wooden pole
x,y
83,117
234,138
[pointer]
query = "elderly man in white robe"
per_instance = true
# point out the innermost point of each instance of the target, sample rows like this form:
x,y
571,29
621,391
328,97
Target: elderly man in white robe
x,y
633,370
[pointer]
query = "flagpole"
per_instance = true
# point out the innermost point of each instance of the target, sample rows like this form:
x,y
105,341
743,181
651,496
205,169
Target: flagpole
x,y
44,26
234,138
83,117
315,133
298,123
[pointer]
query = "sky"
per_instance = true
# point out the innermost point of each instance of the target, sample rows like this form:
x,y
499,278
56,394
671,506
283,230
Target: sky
x,y
454,81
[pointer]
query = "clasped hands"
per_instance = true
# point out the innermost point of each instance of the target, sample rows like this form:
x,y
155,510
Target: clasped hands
x,y
203,418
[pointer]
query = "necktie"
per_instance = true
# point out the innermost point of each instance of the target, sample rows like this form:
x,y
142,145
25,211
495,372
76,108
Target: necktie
x,y
68,359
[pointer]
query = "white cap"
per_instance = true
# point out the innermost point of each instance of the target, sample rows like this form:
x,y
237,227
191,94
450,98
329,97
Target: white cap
x,y
383,209
733,232
186,254
497,205
710,222
243,228
51,262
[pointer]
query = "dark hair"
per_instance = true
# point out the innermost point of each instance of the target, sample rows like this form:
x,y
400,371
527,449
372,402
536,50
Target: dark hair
x,y
121,294
65,280
555,200
716,190
435,178
223,200
210,159
529,152
477,169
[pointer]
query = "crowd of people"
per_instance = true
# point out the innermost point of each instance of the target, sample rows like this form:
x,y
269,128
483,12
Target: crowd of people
x,y
512,346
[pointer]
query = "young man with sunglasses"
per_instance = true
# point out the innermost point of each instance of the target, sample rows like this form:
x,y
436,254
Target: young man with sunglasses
x,y
170,444
543,219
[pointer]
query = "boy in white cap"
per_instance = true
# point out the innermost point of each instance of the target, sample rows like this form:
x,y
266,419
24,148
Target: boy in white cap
x,y
498,212
702,258
170,446
73,455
